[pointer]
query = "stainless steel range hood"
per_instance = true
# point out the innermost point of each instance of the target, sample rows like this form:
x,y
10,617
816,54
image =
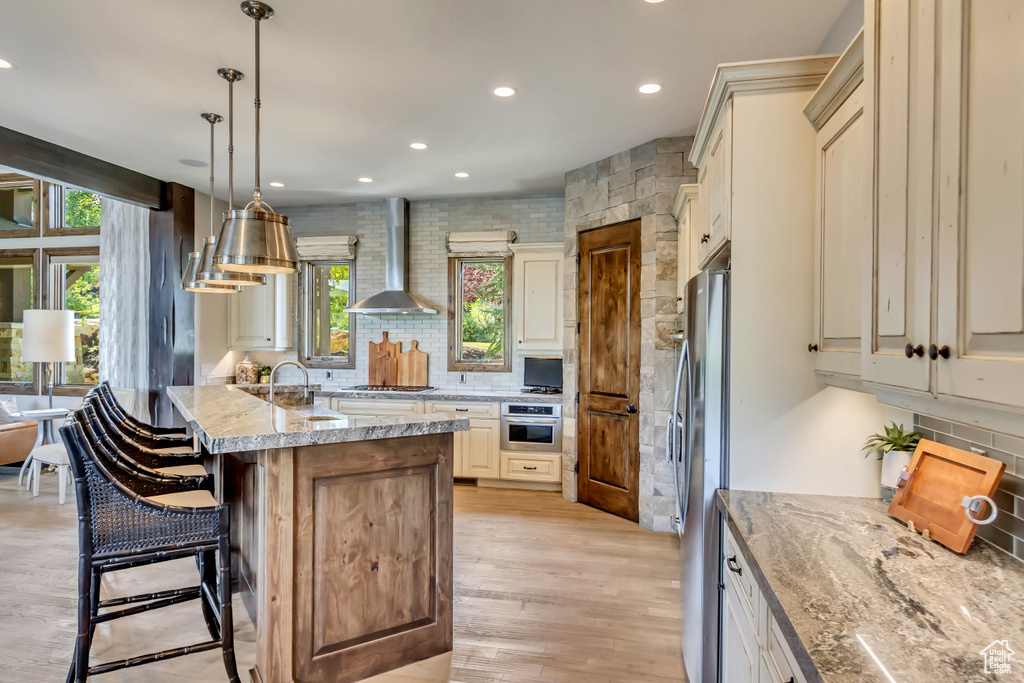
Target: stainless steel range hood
x,y
395,299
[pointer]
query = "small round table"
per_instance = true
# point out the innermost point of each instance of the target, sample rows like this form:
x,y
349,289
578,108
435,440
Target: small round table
x,y
44,426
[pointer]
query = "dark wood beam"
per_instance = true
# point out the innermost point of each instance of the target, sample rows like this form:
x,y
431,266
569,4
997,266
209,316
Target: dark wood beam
x,y
58,164
171,310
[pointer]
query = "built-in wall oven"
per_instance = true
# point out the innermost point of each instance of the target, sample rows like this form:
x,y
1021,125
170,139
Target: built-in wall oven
x,y
531,427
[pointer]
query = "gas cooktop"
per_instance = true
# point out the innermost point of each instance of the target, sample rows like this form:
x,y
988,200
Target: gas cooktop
x,y
372,387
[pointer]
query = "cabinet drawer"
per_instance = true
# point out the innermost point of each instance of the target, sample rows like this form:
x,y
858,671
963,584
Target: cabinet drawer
x,y
779,657
736,569
531,467
371,407
477,410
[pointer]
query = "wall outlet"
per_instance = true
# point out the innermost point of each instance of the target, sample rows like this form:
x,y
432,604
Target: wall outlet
x,y
328,374
462,378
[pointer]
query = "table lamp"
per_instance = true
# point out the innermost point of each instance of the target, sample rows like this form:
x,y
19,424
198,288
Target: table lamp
x,y
48,337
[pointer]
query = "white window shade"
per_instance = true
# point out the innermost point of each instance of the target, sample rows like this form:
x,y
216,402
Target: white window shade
x,y
326,248
486,243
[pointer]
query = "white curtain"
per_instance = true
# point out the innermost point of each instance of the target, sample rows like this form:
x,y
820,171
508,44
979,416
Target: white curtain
x,y
124,300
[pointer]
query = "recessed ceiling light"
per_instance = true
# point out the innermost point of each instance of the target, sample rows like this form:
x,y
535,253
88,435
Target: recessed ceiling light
x,y
419,145
4,64
276,184
653,2
649,88
364,179
461,174
505,91
195,163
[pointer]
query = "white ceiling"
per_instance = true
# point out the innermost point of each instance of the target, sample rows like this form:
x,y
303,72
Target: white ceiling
x,y
347,85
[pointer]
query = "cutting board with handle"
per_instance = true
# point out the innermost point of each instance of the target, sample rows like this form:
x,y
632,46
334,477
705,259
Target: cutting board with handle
x,y
935,491
412,367
384,362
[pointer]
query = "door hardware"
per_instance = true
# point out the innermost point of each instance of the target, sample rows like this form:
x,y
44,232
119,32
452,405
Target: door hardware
x,y
912,350
934,352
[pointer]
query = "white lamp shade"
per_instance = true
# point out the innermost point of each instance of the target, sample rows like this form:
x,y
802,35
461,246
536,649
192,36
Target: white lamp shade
x,y
48,336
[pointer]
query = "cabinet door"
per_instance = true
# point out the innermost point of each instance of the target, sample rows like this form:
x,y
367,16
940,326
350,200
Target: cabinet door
x,y
480,452
260,317
716,189
899,108
537,278
981,212
740,657
842,218
688,242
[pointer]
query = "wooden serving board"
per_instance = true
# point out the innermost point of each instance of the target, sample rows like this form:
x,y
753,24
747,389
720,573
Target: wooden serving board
x,y
940,477
413,368
384,362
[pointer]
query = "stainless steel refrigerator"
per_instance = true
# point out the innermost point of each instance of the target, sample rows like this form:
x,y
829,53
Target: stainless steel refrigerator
x,y
698,445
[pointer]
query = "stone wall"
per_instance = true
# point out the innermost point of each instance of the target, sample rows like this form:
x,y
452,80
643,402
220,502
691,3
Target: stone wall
x,y
640,183
12,368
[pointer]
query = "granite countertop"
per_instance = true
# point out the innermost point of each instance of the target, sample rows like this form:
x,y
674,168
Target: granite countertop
x,y
264,388
453,395
841,576
228,419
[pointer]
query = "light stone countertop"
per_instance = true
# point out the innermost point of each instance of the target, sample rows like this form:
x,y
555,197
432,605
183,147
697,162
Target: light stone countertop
x,y
841,576
228,419
451,395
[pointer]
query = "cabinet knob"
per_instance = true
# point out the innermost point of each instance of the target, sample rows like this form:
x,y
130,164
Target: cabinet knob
x,y
912,350
934,352
811,348
630,409
704,238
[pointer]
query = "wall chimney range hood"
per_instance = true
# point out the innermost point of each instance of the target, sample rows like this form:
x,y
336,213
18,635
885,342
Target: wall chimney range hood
x,y
395,299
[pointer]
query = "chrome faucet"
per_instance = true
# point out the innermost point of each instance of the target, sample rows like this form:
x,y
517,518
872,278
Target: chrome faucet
x,y
300,366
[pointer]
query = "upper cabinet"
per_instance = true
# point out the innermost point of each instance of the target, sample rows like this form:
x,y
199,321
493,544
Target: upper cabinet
x,y
260,318
979,336
944,289
842,214
687,214
537,300
714,180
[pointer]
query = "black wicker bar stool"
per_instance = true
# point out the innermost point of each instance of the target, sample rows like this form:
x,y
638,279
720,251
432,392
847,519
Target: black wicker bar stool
x,y
127,521
107,394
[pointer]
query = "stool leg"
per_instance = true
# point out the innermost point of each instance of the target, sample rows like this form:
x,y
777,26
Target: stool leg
x,y
85,582
36,471
208,577
62,482
227,629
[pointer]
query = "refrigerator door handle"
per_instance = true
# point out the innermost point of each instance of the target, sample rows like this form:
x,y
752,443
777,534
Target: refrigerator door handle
x,y
687,428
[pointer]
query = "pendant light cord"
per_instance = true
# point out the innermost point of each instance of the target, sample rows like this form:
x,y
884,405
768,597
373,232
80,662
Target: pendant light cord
x,y
257,194
213,122
231,148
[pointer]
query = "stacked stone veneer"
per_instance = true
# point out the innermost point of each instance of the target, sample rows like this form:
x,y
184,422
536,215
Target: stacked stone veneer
x,y
12,368
640,183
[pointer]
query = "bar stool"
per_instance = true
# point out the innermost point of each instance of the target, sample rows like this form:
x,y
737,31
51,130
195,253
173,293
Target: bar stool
x,y
107,395
165,461
127,521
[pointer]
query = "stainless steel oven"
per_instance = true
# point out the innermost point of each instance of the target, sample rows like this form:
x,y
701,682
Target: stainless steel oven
x,y
531,427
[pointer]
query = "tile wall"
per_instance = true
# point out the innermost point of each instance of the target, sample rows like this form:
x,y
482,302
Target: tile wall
x,y
1007,532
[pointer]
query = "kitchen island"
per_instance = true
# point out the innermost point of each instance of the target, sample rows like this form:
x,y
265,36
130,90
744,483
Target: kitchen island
x,y
341,530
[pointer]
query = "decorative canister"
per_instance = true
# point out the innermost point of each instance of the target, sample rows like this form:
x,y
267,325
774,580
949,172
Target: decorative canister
x,y
247,372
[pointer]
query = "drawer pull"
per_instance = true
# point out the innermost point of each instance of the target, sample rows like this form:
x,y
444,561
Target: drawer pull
x,y
737,568
528,468
462,410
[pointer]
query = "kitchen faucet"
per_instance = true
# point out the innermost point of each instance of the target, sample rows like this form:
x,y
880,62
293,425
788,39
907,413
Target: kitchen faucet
x,y
300,366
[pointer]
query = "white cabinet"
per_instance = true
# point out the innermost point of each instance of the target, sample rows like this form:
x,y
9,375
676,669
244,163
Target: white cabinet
x,y
260,318
477,450
537,301
376,407
740,653
537,467
714,159
687,214
980,306
899,96
842,214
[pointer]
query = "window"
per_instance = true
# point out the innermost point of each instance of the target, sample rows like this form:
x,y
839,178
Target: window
x,y
74,285
18,268
327,332
18,205
73,211
479,318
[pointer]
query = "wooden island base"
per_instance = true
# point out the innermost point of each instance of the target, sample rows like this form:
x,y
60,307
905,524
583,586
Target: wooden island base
x,y
344,555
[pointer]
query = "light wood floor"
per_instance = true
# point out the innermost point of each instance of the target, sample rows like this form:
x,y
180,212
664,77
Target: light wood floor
x,y
544,591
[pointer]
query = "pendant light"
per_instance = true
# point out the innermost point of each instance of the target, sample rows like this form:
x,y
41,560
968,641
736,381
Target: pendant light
x,y
205,271
255,239
189,282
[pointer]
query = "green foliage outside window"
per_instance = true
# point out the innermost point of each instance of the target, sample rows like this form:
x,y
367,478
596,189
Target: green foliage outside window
x,y
483,311
81,209
83,295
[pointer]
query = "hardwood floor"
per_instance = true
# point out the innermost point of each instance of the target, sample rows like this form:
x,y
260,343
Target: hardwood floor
x,y
545,590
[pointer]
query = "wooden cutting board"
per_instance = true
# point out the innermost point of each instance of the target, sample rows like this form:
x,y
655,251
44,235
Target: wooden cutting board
x,y
384,362
412,367
939,478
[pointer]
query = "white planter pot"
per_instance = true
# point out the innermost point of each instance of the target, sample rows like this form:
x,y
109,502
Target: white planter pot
x,y
893,463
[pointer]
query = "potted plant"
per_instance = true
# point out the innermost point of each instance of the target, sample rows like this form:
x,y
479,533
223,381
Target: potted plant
x,y
265,374
894,449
